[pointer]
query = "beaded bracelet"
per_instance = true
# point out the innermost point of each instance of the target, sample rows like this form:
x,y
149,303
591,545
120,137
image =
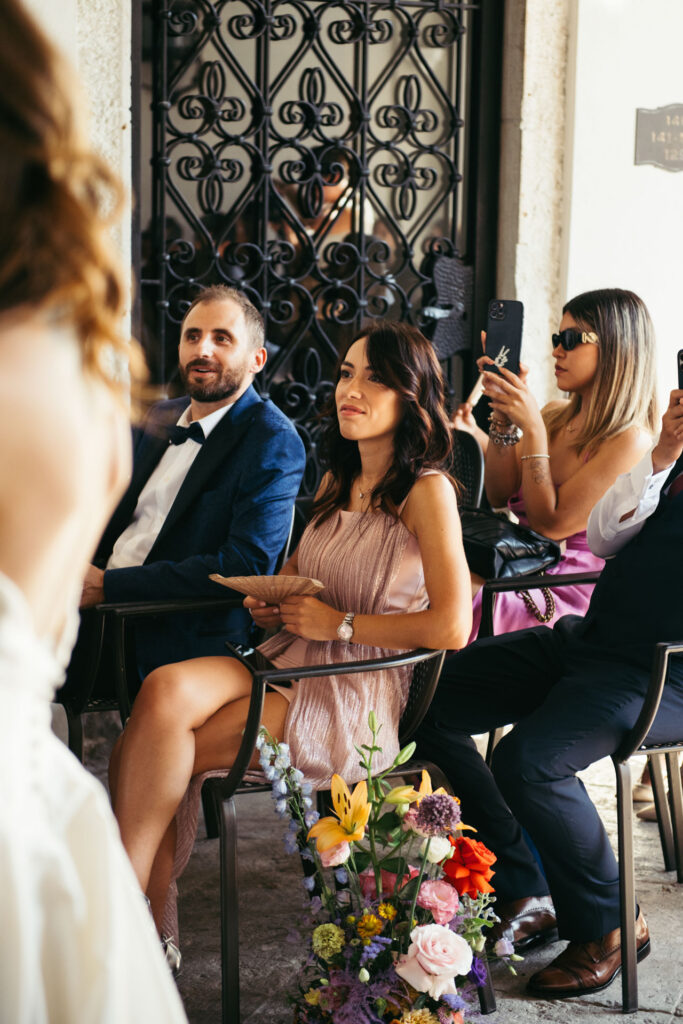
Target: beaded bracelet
x,y
538,455
512,435
507,439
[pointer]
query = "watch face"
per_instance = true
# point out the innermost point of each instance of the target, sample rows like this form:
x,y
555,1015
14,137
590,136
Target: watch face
x,y
345,631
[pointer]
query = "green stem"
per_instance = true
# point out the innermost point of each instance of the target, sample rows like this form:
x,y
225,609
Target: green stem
x,y
419,883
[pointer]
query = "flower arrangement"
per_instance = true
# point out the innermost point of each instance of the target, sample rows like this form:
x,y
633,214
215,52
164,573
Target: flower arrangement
x,y
399,897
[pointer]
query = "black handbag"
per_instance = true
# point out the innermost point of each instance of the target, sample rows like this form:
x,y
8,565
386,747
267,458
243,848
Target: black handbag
x,y
497,548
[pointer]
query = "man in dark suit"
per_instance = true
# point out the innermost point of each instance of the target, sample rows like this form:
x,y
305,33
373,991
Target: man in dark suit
x,y
214,479
574,691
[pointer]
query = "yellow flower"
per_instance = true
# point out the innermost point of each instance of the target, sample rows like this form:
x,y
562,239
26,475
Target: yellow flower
x,y
423,1016
426,787
387,911
369,926
312,997
401,795
352,812
327,941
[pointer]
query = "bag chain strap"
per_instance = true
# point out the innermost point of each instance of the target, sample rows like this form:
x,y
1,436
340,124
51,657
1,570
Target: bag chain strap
x,y
534,610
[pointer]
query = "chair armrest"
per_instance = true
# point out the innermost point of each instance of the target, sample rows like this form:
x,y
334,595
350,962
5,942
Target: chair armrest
x,y
139,609
517,583
227,786
634,739
533,582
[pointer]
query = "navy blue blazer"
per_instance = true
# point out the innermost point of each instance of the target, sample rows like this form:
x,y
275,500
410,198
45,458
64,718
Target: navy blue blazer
x,y
231,516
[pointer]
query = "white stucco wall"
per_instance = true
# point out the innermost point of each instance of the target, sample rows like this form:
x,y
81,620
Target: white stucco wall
x,y
532,196
624,223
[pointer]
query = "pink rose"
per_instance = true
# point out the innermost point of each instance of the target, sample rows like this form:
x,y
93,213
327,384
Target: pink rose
x,y
436,955
441,898
369,888
336,855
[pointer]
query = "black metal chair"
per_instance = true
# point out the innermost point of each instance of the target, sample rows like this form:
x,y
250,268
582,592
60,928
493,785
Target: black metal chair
x,y
467,466
635,742
113,620
116,618
221,792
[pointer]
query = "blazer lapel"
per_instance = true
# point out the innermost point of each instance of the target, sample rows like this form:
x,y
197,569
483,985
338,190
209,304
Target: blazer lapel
x,y
215,450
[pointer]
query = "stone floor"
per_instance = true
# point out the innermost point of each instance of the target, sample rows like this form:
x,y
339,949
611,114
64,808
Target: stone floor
x,y
271,896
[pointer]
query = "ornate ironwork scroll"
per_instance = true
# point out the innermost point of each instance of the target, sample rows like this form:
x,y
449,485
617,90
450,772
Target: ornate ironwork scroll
x,y
312,153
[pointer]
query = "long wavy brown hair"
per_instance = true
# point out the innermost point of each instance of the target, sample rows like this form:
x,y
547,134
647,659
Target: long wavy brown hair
x,y
405,361
57,201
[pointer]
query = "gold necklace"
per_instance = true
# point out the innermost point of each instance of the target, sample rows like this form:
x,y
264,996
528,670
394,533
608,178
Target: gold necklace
x,y
364,494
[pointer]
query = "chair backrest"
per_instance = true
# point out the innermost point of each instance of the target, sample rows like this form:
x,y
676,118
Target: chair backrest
x,y
467,466
300,517
422,687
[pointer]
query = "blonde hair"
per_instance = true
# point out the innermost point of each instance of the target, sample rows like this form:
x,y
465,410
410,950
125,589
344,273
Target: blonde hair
x,y
56,202
624,391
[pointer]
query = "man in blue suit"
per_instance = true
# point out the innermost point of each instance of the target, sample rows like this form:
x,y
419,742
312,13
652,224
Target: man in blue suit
x,y
214,479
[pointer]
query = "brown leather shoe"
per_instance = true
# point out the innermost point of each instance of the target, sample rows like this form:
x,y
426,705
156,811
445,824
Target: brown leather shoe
x,y
585,967
525,923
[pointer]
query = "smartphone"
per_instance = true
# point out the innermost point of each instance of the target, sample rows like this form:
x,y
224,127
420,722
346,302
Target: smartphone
x,y
504,333
680,368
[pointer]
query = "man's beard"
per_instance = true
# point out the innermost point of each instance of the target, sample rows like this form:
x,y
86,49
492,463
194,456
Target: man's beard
x,y
215,389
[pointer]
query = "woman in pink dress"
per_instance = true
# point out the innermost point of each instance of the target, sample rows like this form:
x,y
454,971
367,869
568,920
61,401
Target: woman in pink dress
x,y
385,541
551,465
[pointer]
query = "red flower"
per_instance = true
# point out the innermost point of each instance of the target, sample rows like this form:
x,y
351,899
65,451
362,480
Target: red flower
x,y
469,869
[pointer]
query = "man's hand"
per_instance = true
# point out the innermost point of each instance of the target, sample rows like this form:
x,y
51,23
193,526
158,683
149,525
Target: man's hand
x,y
93,587
670,444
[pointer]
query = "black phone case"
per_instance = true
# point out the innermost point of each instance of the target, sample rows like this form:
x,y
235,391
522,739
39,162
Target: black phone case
x,y
680,368
504,331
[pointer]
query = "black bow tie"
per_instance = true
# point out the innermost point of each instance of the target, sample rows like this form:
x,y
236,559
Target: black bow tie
x,y
179,435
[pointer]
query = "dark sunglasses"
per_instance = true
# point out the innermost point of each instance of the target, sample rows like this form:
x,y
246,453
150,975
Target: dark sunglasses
x,y
570,337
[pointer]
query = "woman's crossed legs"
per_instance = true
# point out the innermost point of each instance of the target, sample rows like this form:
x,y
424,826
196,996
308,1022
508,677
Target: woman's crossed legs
x,y
187,719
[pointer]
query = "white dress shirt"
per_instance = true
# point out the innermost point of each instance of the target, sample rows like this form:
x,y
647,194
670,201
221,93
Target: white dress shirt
x,y
159,493
638,489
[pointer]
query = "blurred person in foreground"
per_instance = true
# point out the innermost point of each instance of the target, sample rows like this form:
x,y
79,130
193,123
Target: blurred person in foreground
x,y
74,922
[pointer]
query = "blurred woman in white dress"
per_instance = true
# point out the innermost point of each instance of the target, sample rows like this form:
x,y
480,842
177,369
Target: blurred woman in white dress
x,y
77,942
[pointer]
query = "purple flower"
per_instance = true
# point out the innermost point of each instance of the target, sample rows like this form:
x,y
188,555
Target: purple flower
x,y
290,842
379,943
309,883
453,1001
478,971
437,815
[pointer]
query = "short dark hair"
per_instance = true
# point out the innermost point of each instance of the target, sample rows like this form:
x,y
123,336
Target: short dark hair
x,y
224,293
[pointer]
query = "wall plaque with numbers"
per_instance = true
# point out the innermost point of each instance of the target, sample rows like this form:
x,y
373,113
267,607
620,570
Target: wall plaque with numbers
x,y
659,137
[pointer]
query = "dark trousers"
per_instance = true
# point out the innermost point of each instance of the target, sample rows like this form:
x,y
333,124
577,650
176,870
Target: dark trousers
x,y
572,704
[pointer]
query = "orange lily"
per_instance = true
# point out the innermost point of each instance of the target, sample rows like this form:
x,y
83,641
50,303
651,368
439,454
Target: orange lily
x,y
352,812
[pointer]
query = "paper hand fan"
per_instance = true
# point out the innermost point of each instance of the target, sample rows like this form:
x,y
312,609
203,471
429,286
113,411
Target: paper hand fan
x,y
272,589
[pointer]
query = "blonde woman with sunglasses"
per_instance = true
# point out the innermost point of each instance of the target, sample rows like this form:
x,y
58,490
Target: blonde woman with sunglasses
x,y
550,466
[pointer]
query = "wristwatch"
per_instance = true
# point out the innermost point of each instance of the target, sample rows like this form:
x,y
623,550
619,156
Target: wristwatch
x,y
345,628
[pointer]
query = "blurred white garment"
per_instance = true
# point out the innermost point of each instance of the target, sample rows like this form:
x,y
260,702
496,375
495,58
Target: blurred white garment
x,y
77,943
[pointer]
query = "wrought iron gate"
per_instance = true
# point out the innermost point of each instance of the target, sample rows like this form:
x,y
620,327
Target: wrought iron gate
x,y
321,156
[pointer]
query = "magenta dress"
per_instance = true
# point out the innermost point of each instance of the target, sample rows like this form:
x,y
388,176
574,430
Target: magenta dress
x,y
510,611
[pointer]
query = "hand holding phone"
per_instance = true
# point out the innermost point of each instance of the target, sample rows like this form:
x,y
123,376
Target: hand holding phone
x,y
503,340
